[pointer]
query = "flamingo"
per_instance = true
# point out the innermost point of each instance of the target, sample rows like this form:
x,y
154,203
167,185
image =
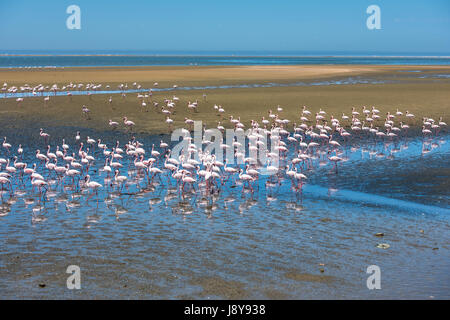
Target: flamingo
x,y
246,178
426,131
120,180
335,160
30,171
44,135
106,168
113,124
6,145
3,181
19,165
39,183
10,169
187,179
154,171
130,124
72,173
41,156
85,110
169,122
409,115
92,184
333,142
20,150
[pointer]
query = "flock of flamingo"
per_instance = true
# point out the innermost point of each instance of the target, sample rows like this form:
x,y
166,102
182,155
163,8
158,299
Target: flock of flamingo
x,y
318,139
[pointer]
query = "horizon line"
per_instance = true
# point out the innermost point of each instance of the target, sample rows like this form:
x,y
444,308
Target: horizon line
x,y
200,54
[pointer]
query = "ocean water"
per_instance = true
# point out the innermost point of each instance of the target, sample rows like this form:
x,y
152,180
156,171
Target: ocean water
x,y
151,241
342,81
31,60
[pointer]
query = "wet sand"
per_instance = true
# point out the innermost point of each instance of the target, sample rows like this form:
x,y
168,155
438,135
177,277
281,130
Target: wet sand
x,y
406,91
429,97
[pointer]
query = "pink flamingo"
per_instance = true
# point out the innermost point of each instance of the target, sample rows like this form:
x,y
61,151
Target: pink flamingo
x,y
334,159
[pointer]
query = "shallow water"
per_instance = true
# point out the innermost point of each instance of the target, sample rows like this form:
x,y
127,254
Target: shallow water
x,y
154,242
406,77
84,59
344,81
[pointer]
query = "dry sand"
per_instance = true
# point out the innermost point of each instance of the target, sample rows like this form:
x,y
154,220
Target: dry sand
x,y
198,75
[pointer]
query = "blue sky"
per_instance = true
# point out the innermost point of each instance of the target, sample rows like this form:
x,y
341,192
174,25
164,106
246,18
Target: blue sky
x,y
415,26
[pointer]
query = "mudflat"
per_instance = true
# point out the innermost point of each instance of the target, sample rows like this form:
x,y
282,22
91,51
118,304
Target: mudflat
x,y
396,88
